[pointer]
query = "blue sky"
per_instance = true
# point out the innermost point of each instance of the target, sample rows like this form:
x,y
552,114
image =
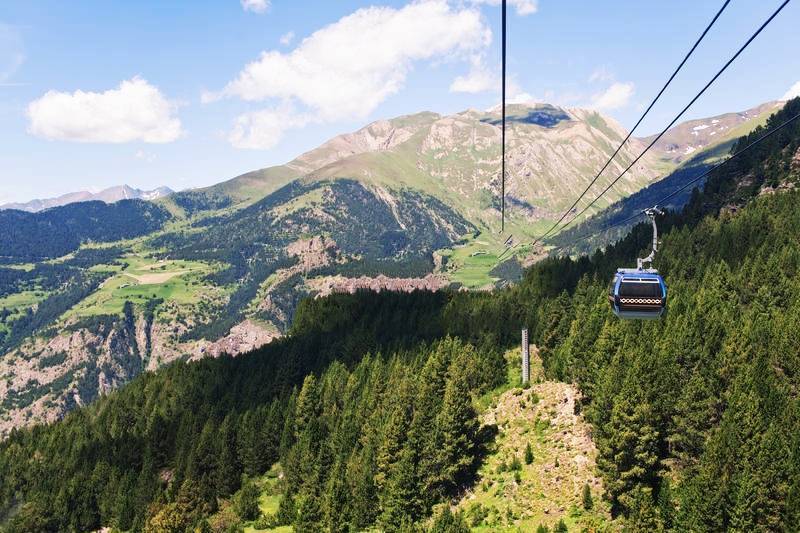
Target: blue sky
x,y
186,94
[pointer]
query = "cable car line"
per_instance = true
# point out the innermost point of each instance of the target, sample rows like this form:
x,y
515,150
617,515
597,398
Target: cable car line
x,y
503,129
630,133
686,185
679,115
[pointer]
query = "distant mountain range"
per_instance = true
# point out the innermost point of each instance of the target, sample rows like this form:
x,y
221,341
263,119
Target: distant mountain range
x,y
685,140
110,195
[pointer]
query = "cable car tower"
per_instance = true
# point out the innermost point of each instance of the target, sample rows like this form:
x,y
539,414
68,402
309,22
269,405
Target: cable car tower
x,y
640,293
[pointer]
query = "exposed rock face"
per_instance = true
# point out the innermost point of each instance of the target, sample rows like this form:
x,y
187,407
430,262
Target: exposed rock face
x,y
313,253
687,138
328,285
243,337
378,136
44,379
795,164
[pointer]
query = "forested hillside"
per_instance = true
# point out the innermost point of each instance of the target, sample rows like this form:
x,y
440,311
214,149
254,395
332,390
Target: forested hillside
x,y
403,204
55,232
369,403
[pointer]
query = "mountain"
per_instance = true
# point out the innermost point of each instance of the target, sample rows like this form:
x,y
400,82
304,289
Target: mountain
x,y
90,298
697,145
552,152
682,141
405,411
110,195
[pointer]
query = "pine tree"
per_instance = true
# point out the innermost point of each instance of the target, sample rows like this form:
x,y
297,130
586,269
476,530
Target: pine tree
x,y
124,508
229,470
246,501
629,457
528,454
643,516
361,472
445,521
287,511
337,500
586,497
309,515
400,498
456,432
666,507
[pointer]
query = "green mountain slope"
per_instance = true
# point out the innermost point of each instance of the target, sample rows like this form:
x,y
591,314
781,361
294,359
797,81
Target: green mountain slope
x,y
403,204
371,403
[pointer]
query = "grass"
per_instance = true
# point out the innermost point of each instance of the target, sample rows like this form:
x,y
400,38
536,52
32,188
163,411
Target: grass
x,y
269,500
17,303
27,267
308,199
143,279
22,299
546,490
471,263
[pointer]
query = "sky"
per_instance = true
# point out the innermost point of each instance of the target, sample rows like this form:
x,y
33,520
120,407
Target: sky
x,y
190,93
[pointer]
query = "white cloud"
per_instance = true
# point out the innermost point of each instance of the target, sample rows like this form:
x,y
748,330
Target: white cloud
x,y
523,7
617,95
479,79
135,111
345,70
287,38
517,95
793,92
261,130
601,74
255,6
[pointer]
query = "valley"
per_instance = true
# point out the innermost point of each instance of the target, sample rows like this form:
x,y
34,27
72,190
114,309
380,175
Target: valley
x,y
396,410
403,204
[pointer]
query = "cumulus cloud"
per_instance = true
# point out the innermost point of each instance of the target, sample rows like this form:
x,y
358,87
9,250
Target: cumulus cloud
x,y
134,111
287,38
479,79
523,7
793,92
255,6
345,70
261,130
617,95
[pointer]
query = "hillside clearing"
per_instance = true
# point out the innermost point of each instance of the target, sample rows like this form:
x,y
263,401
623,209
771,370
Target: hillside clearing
x,y
156,279
511,495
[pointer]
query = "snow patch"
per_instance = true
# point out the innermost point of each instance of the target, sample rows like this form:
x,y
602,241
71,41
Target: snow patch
x,y
701,127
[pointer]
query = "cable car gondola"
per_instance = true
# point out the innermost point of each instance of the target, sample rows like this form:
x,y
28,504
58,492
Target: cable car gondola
x,y
640,293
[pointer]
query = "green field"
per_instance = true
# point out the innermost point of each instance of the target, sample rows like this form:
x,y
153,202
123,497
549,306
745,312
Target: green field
x,y
17,303
269,500
143,279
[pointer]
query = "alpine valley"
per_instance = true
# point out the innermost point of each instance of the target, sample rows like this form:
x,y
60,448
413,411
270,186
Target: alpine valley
x,y
94,293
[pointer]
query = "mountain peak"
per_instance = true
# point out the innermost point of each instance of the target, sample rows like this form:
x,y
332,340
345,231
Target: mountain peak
x,y
108,195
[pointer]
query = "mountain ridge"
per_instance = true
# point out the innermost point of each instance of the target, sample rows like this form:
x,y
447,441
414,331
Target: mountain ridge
x,y
108,195
407,203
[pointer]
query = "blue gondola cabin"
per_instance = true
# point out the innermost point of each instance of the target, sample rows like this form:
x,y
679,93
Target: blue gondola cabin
x,y
638,294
